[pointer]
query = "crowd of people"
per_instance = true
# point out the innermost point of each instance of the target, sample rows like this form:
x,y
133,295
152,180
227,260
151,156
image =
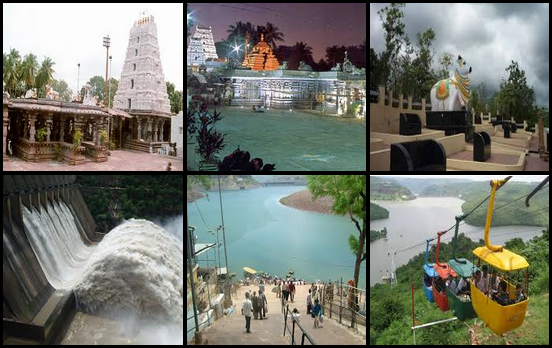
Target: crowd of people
x,y
488,283
255,304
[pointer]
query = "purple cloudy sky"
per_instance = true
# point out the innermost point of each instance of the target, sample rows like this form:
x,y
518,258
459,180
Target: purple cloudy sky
x,y
318,25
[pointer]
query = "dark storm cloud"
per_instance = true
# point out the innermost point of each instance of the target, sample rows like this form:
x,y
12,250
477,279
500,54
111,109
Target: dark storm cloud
x,y
488,36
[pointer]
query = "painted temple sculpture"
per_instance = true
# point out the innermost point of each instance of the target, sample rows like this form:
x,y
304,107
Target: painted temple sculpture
x,y
453,93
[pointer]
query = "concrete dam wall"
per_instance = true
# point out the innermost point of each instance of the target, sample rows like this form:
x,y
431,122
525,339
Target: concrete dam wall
x,y
35,207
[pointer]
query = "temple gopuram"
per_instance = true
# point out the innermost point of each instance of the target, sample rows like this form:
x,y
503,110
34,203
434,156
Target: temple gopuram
x,y
261,57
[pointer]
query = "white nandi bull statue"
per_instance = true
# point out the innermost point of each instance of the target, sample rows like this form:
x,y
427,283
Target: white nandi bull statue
x,y
453,93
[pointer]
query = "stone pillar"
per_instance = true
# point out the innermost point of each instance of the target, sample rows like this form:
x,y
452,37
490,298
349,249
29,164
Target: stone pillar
x,y
139,135
61,128
5,122
381,100
161,130
98,124
78,124
49,122
32,130
26,126
155,128
149,129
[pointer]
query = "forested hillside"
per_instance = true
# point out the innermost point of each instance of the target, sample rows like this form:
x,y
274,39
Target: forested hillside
x,y
391,308
377,212
513,214
385,189
112,198
375,235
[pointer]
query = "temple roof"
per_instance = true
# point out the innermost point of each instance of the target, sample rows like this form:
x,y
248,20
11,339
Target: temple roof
x,y
262,57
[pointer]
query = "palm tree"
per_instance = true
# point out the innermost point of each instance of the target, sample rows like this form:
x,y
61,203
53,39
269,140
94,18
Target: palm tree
x,y
29,68
10,75
45,74
301,52
237,32
335,54
271,34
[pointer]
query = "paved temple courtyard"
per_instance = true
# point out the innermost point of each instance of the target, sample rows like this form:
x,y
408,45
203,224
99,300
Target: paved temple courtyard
x,y
293,140
120,160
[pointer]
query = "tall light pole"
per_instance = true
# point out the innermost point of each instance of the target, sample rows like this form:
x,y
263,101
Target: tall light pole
x,y
106,43
109,84
78,78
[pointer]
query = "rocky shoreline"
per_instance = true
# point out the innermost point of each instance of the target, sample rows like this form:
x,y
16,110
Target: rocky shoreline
x,y
302,200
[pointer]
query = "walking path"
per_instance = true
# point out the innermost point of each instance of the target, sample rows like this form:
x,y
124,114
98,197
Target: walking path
x,y
231,329
120,160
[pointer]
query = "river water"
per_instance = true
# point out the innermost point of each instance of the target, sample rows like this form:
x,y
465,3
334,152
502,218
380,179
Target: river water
x,y
267,236
412,222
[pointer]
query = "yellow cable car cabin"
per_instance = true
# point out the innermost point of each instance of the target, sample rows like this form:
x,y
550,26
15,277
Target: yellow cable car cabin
x,y
499,318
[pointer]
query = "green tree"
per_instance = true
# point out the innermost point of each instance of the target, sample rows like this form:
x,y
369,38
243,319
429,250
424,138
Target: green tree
x,y
65,93
395,37
176,98
446,63
349,194
423,74
271,34
516,97
45,76
28,70
11,71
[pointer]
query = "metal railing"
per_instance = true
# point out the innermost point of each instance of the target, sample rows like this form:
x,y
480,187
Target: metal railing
x,y
304,334
345,302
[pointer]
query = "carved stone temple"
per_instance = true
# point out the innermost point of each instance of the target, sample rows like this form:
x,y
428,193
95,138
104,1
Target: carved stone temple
x,y
142,89
41,129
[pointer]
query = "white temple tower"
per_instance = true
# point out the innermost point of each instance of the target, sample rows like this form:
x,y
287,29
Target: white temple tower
x,y
202,46
142,92
142,85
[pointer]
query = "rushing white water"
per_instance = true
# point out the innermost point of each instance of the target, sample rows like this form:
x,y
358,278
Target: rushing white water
x,y
137,270
57,243
175,226
135,275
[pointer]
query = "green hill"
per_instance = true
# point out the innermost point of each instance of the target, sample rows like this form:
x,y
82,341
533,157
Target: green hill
x,y
377,212
375,235
384,189
474,192
391,311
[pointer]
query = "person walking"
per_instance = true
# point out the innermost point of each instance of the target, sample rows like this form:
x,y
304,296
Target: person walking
x,y
316,311
247,306
262,305
309,302
255,301
292,290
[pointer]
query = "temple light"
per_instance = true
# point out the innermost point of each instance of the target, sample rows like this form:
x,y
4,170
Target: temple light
x,y
236,48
